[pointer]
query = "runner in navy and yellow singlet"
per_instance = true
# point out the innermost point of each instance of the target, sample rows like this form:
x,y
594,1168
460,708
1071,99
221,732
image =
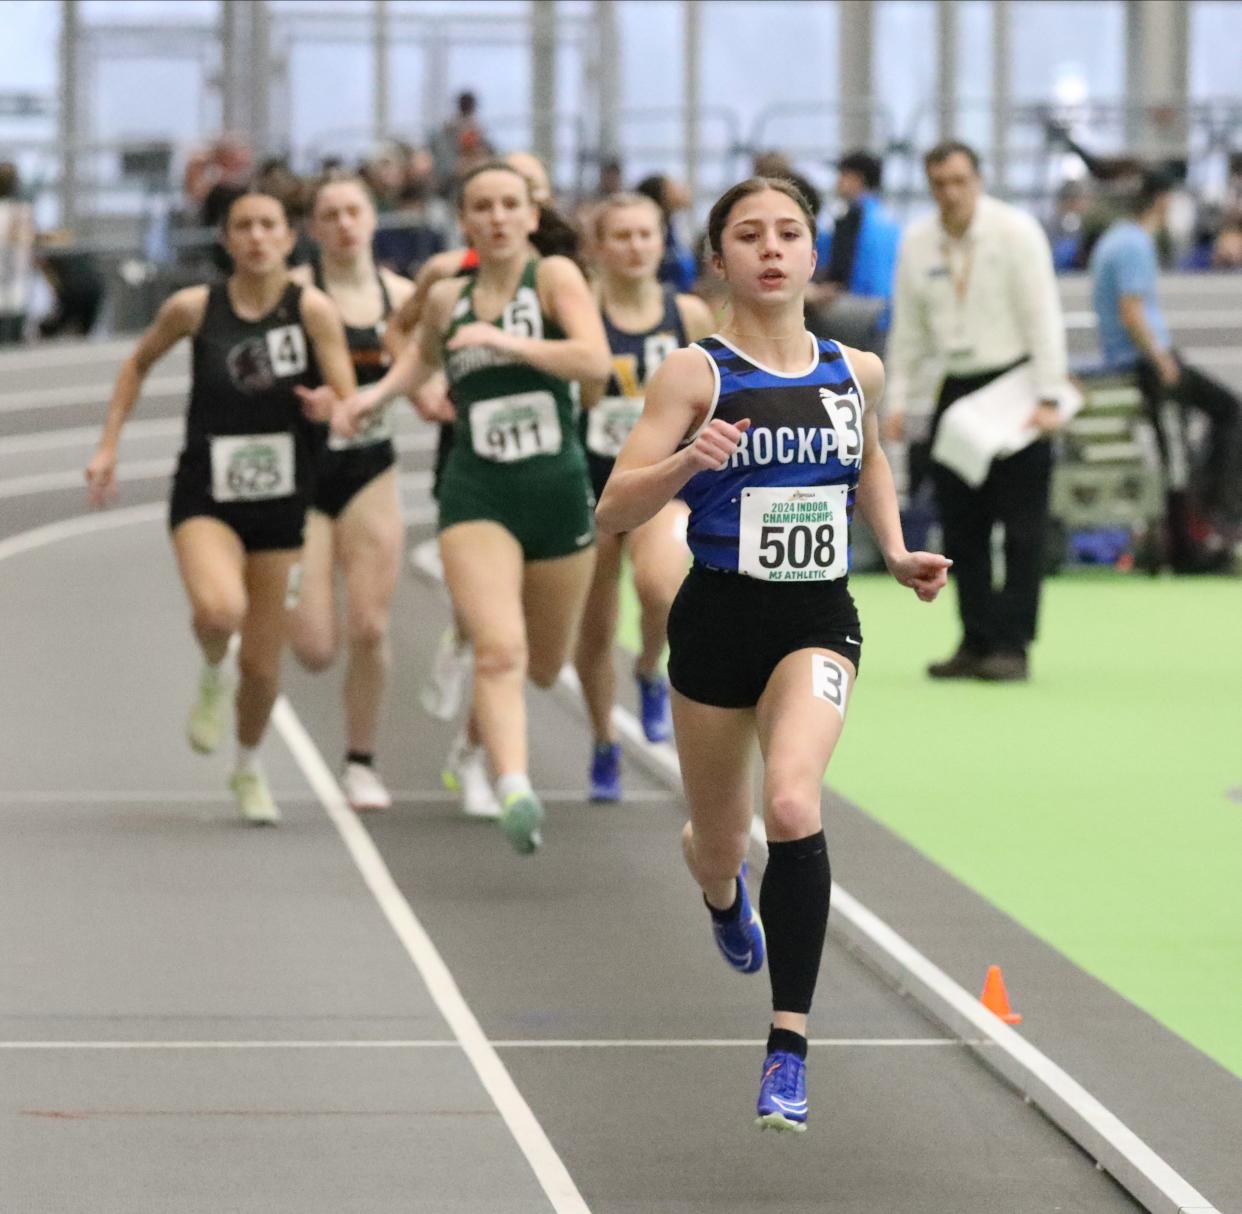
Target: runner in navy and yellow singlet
x,y
516,527
770,436
645,322
243,480
355,517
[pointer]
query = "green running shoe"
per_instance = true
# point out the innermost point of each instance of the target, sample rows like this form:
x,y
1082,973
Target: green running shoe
x,y
209,715
254,798
521,815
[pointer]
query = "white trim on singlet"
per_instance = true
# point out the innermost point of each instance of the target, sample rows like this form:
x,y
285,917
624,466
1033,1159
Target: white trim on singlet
x,y
849,366
711,412
754,362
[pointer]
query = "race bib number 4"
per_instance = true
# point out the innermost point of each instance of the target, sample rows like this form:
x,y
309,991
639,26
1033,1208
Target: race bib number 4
x,y
252,467
794,534
512,428
610,422
286,350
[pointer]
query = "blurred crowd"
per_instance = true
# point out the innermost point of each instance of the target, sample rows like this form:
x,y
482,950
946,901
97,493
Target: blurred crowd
x,y
414,188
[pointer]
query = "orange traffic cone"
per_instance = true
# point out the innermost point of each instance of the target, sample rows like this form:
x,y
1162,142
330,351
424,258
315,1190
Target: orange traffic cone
x,y
995,998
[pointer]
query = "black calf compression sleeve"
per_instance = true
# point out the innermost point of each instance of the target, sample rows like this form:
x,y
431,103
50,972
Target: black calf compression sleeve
x,y
793,903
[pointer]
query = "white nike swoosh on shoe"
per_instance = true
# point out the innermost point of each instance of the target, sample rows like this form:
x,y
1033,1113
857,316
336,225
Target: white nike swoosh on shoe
x,y
787,1106
740,958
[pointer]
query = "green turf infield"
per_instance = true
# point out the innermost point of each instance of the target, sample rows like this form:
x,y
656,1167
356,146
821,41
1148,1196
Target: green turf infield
x,y
1092,804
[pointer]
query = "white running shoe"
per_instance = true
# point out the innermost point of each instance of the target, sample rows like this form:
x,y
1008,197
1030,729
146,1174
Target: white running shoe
x,y
442,693
363,789
465,771
209,716
254,798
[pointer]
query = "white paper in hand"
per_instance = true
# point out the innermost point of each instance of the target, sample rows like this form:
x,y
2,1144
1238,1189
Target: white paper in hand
x,y
993,422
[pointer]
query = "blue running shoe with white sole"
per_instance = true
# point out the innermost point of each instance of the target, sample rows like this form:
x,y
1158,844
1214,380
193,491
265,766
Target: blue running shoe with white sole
x,y
740,939
606,772
653,707
782,1093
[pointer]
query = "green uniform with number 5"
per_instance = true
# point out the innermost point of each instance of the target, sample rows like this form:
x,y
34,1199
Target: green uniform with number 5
x,y
517,457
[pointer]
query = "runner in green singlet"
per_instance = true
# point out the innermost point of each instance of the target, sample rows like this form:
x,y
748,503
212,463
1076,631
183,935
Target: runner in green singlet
x,y
516,529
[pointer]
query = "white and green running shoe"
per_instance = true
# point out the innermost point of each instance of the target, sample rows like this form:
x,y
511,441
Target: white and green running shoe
x,y
521,815
254,798
209,716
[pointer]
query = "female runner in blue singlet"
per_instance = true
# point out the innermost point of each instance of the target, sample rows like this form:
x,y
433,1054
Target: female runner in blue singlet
x,y
770,436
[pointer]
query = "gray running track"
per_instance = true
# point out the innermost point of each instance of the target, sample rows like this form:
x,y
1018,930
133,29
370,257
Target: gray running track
x,y
138,911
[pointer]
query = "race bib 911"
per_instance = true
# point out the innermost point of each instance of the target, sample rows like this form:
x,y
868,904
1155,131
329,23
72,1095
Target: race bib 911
x,y
797,534
512,428
252,467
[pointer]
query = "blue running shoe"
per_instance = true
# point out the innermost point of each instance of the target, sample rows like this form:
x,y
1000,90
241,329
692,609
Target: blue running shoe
x,y
782,1093
653,707
606,772
740,939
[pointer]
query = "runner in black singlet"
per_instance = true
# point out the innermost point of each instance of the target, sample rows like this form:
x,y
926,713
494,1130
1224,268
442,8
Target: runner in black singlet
x,y
242,484
355,518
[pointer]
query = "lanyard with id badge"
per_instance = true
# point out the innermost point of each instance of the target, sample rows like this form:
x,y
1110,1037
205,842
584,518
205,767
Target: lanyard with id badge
x,y
959,257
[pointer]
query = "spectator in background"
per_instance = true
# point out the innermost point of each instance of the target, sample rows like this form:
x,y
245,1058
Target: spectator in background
x,y
976,298
611,180
678,266
418,228
461,144
76,282
1134,336
1065,232
215,176
384,172
17,235
862,253
1227,250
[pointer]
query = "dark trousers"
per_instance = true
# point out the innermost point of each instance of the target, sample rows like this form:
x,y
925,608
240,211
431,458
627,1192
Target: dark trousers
x,y
1015,495
1221,479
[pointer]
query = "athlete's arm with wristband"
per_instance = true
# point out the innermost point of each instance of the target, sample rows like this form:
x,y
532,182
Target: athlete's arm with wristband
x,y
179,317
876,497
653,465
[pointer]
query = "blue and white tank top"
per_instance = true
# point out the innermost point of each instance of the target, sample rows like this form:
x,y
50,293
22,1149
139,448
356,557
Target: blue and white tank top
x,y
780,508
635,357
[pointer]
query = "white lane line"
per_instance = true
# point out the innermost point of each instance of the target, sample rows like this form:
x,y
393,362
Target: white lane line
x,y
123,796
549,1170
1065,1101
439,1043
1189,318
134,471
88,436
64,354
1126,1157
88,395
420,438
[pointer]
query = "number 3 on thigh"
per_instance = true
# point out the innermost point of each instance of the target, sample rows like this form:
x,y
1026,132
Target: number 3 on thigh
x,y
830,681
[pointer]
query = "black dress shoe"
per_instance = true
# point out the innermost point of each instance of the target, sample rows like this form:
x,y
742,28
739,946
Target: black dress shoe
x,y
962,665
1004,668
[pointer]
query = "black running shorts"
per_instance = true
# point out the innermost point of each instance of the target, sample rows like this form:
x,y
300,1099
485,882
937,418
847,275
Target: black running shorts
x,y
267,526
727,632
341,475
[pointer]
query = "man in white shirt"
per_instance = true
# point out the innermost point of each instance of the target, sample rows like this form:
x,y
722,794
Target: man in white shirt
x,y
976,297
